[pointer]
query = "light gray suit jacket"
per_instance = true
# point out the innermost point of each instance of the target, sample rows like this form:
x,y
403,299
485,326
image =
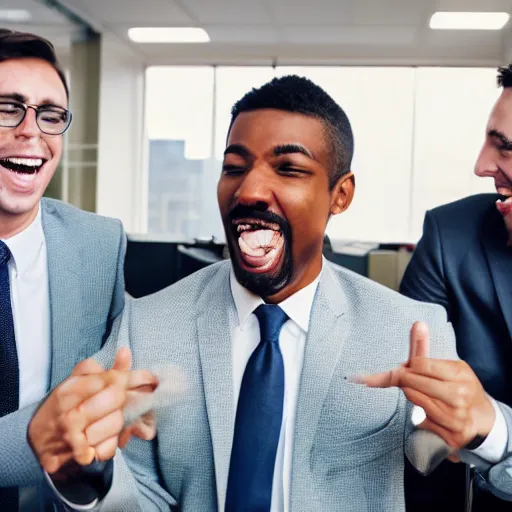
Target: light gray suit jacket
x,y
348,449
86,282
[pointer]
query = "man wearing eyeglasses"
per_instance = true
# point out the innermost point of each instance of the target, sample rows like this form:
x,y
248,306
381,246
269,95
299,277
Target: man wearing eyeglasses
x,y
61,269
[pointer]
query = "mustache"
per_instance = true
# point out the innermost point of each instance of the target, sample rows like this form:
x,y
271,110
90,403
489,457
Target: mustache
x,y
241,211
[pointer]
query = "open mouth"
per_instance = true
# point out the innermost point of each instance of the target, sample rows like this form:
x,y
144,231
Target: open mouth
x,y
261,244
23,165
504,204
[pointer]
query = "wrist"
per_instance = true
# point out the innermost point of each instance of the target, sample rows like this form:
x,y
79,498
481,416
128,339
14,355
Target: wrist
x,y
485,418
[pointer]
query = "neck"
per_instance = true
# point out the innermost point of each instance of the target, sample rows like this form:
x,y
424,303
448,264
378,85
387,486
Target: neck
x,y
12,224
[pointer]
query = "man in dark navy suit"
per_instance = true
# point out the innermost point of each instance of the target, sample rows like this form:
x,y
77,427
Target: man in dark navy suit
x,y
464,263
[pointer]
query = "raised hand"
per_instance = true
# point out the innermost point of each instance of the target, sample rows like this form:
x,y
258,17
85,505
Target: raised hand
x,y
455,403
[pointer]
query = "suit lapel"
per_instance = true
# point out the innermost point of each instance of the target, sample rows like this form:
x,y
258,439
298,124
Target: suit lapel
x,y
65,293
214,329
323,348
499,257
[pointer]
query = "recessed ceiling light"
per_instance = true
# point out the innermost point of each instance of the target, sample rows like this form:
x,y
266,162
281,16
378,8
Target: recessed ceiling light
x,y
14,15
168,35
469,20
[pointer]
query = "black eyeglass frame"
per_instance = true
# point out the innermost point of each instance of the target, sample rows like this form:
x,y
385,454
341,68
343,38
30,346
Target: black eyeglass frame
x,y
38,109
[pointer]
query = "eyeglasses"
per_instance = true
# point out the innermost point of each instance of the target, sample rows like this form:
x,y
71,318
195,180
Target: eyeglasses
x,y
50,119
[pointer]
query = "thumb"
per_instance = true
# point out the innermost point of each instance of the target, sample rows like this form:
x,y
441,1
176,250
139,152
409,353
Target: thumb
x,y
123,360
419,345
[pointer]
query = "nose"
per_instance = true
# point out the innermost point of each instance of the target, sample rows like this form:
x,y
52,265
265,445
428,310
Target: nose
x,y
28,127
486,165
256,188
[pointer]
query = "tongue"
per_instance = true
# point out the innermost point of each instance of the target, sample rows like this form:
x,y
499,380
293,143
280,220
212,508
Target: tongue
x,y
259,241
258,247
504,207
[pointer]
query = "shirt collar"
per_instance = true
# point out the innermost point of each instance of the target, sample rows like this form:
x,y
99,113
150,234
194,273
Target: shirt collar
x,y
25,246
297,306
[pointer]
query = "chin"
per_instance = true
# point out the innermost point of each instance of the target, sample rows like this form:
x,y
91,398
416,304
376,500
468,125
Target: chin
x,y
19,206
264,284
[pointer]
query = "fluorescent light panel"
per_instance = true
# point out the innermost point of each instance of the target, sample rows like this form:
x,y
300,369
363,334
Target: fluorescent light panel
x,y
469,20
14,15
168,35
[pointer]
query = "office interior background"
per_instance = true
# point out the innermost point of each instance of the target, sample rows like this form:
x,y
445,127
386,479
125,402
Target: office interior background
x,y
150,118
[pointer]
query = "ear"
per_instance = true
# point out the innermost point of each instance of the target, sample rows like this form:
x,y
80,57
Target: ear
x,y
342,193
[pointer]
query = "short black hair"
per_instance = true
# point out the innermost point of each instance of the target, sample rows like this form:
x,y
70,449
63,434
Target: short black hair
x,y
298,94
505,76
22,45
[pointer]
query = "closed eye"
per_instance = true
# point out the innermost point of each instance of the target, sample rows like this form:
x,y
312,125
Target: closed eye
x,y
232,170
288,170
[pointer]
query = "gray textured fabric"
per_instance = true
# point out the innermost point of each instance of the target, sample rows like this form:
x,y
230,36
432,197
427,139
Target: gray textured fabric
x,y
499,478
85,267
349,440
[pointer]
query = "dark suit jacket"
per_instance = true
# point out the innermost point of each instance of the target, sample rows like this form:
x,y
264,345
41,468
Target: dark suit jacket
x,y
462,262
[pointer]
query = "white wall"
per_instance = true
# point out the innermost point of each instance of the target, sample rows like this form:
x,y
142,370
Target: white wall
x,y
122,170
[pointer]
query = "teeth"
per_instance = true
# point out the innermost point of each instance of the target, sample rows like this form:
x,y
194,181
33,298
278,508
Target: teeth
x,y
28,162
243,227
256,226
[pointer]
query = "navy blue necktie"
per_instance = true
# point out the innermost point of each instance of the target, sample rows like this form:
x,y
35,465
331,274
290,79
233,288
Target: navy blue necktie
x,y
258,419
9,376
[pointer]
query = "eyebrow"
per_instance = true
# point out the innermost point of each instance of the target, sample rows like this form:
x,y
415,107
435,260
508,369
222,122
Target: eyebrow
x,y
22,99
282,149
14,96
287,149
237,149
505,142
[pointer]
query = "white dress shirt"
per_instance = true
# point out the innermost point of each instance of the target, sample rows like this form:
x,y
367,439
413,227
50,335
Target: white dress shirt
x,y
292,341
30,301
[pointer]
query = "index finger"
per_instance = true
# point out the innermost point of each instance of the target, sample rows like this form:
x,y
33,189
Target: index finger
x,y
75,389
87,367
78,388
391,378
419,345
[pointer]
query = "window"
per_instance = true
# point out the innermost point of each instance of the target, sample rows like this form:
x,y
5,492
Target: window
x,y
452,108
379,104
231,84
417,134
179,110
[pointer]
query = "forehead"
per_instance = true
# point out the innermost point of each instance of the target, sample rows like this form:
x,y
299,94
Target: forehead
x,y
261,130
501,115
35,79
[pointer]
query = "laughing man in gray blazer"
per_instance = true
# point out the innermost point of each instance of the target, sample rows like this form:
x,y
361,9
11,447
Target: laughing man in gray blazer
x,y
61,269
274,346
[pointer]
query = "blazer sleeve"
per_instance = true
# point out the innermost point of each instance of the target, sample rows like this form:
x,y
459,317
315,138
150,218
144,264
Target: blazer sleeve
x,y
498,478
136,483
18,464
118,292
424,278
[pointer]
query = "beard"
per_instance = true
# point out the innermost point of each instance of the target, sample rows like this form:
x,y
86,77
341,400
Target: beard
x,y
261,284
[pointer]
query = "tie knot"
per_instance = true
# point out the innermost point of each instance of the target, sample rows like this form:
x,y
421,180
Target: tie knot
x,y
271,319
5,253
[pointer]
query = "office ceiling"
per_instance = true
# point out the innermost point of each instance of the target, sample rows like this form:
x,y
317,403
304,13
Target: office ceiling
x,y
358,32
